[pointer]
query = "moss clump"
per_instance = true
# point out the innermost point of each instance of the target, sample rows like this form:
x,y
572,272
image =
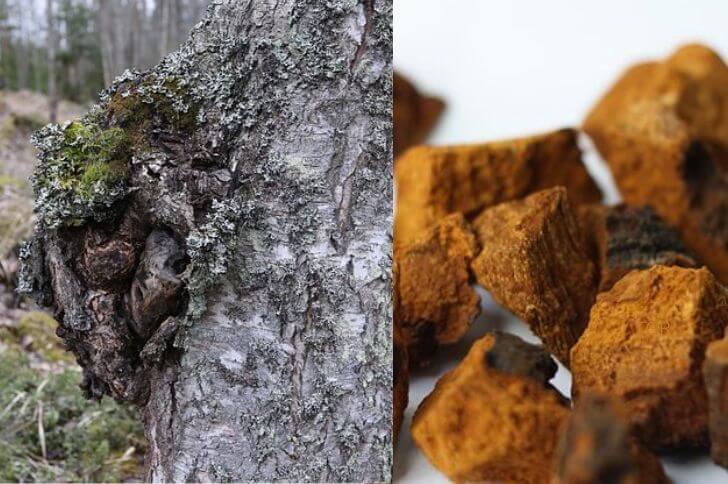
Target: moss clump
x,y
84,170
83,441
154,105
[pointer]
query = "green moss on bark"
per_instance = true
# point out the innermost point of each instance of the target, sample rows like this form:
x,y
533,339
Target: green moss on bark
x,y
83,170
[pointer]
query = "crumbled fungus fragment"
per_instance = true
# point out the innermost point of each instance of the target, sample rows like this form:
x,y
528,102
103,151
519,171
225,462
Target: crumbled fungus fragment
x,y
624,238
414,114
495,417
437,303
596,447
401,382
663,127
433,182
534,263
645,344
400,360
715,375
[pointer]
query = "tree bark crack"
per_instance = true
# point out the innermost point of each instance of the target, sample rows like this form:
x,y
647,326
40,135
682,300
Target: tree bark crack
x,y
368,12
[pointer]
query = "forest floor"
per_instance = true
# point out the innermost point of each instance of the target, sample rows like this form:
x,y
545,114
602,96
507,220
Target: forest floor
x,y
48,431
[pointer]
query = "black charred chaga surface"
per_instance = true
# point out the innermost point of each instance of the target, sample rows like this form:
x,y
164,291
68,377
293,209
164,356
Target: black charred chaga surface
x,y
510,354
625,238
215,237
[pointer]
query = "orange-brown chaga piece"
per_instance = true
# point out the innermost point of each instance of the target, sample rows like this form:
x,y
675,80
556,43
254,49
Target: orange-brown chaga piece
x,y
596,446
645,344
433,182
715,375
414,114
437,303
534,263
400,361
400,383
663,128
494,418
625,238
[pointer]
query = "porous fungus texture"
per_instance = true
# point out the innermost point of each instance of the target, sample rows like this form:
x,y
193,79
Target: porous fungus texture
x,y
437,302
435,181
663,128
494,418
534,263
645,345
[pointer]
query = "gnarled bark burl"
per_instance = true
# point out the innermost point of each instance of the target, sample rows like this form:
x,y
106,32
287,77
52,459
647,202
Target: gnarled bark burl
x,y
215,239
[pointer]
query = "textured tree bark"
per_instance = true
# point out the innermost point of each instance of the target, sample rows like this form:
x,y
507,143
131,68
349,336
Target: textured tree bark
x,y
234,279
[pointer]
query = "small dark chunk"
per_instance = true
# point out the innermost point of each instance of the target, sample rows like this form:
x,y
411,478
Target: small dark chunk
x,y
510,354
625,238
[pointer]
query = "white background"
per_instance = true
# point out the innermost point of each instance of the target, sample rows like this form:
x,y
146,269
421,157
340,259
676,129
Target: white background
x,y
509,68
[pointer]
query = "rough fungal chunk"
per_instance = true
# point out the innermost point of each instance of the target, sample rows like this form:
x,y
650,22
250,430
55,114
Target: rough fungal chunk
x,y
645,344
534,263
400,383
625,238
493,423
715,374
596,446
663,127
414,114
433,182
437,303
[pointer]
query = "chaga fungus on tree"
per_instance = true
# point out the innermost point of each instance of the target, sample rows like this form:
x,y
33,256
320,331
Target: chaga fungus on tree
x,y
117,269
215,239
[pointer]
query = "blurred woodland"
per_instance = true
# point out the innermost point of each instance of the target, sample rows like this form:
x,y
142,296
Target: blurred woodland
x,y
70,49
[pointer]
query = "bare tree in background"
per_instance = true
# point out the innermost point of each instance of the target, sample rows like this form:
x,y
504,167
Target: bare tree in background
x,y
51,46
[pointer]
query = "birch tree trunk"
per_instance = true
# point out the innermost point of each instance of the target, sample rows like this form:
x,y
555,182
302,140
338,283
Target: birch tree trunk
x,y
230,272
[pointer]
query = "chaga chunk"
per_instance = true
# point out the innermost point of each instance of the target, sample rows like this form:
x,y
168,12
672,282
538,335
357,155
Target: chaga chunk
x,y
534,263
596,446
645,344
400,361
437,304
400,383
414,114
715,375
625,238
663,128
495,417
433,182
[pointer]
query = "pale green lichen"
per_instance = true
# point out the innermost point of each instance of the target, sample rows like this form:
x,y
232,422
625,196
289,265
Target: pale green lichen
x,y
83,170
209,248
